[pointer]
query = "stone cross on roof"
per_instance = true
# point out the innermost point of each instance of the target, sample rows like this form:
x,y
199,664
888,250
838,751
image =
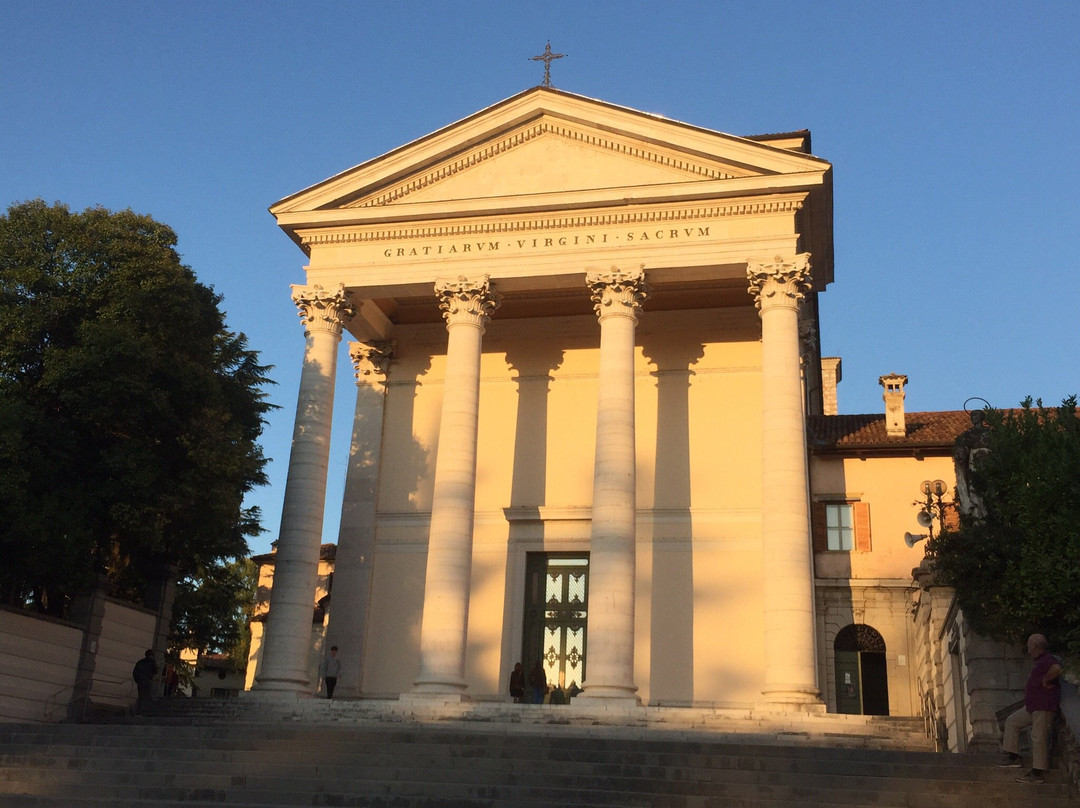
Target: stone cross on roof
x,y
547,57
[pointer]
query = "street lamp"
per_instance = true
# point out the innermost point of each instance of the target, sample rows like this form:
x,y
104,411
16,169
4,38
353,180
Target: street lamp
x,y
931,507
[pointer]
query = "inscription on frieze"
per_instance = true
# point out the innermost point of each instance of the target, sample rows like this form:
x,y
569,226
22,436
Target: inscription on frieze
x,y
466,246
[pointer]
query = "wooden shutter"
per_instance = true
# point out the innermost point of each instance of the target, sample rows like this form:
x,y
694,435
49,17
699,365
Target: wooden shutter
x,y
817,527
861,518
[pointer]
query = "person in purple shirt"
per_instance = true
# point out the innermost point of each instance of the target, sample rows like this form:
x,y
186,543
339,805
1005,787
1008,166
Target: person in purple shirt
x,y
1042,696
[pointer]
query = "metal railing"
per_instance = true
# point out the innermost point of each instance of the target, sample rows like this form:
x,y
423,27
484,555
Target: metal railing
x,y
74,708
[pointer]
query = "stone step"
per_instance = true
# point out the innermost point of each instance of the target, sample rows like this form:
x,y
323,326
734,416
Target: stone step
x,y
395,793
631,778
248,757
239,710
464,733
342,764
899,742
157,743
421,766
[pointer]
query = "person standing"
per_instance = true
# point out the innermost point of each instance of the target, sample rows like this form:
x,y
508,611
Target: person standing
x,y
172,680
331,671
1042,697
143,673
517,683
538,682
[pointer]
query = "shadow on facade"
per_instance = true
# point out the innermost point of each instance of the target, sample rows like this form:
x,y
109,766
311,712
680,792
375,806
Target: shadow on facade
x,y
671,663
522,629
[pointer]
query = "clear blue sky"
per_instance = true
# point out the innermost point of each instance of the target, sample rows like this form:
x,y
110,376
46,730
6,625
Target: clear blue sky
x,y
952,127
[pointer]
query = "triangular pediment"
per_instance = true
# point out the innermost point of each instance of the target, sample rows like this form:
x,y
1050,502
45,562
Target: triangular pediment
x,y
541,144
549,155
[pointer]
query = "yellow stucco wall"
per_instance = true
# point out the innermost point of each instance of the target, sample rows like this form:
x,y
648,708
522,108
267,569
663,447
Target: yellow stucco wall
x,y
698,619
891,486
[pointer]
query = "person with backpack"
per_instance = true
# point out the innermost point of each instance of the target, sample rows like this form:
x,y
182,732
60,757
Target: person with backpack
x,y
143,673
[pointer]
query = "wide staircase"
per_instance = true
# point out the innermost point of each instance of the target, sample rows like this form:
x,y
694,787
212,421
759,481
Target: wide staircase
x,y
359,754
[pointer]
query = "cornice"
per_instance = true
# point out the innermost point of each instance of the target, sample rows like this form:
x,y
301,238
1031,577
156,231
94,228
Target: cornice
x,y
523,224
475,157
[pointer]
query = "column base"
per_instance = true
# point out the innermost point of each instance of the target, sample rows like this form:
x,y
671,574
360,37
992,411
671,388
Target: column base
x,y
792,699
609,693
300,688
283,696
610,701
424,699
441,688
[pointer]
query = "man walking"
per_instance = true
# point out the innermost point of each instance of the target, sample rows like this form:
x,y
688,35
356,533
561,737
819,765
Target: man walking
x,y
1042,696
331,671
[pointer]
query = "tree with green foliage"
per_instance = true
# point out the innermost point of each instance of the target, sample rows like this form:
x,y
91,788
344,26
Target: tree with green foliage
x,y
212,608
1016,568
129,413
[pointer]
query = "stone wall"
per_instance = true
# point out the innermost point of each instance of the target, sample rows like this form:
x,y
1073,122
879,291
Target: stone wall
x,y
1069,734
54,669
40,657
963,679
995,674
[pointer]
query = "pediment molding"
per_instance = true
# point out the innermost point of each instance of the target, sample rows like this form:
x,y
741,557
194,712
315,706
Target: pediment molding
x,y
665,158
548,166
518,225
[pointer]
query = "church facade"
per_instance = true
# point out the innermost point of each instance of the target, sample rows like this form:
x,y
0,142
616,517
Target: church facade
x,y
593,427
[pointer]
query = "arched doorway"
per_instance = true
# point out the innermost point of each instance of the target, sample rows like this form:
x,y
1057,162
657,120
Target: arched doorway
x,y
862,681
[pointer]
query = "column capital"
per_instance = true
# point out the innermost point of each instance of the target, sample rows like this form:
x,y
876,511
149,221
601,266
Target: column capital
x,y
617,292
467,300
323,309
371,360
780,282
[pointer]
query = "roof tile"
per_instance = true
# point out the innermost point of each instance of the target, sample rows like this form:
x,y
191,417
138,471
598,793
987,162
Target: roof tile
x,y
868,431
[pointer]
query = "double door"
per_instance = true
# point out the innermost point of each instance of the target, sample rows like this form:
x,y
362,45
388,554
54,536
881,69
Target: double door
x,y
557,616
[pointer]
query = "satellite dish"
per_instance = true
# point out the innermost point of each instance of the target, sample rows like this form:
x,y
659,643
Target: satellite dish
x,y
911,539
924,519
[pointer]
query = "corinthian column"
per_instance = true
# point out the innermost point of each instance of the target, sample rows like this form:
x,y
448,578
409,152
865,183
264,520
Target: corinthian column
x,y
356,537
287,644
467,305
617,297
790,671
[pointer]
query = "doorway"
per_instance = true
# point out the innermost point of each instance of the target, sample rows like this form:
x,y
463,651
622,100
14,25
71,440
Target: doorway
x,y
556,616
862,680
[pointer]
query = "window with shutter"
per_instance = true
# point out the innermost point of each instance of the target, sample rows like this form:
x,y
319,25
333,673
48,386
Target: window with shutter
x,y
841,527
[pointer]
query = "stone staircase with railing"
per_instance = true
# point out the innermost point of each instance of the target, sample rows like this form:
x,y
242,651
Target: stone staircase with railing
x,y
397,755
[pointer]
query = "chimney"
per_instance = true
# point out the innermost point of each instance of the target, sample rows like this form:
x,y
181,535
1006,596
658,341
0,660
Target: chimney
x,y
895,426
830,377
